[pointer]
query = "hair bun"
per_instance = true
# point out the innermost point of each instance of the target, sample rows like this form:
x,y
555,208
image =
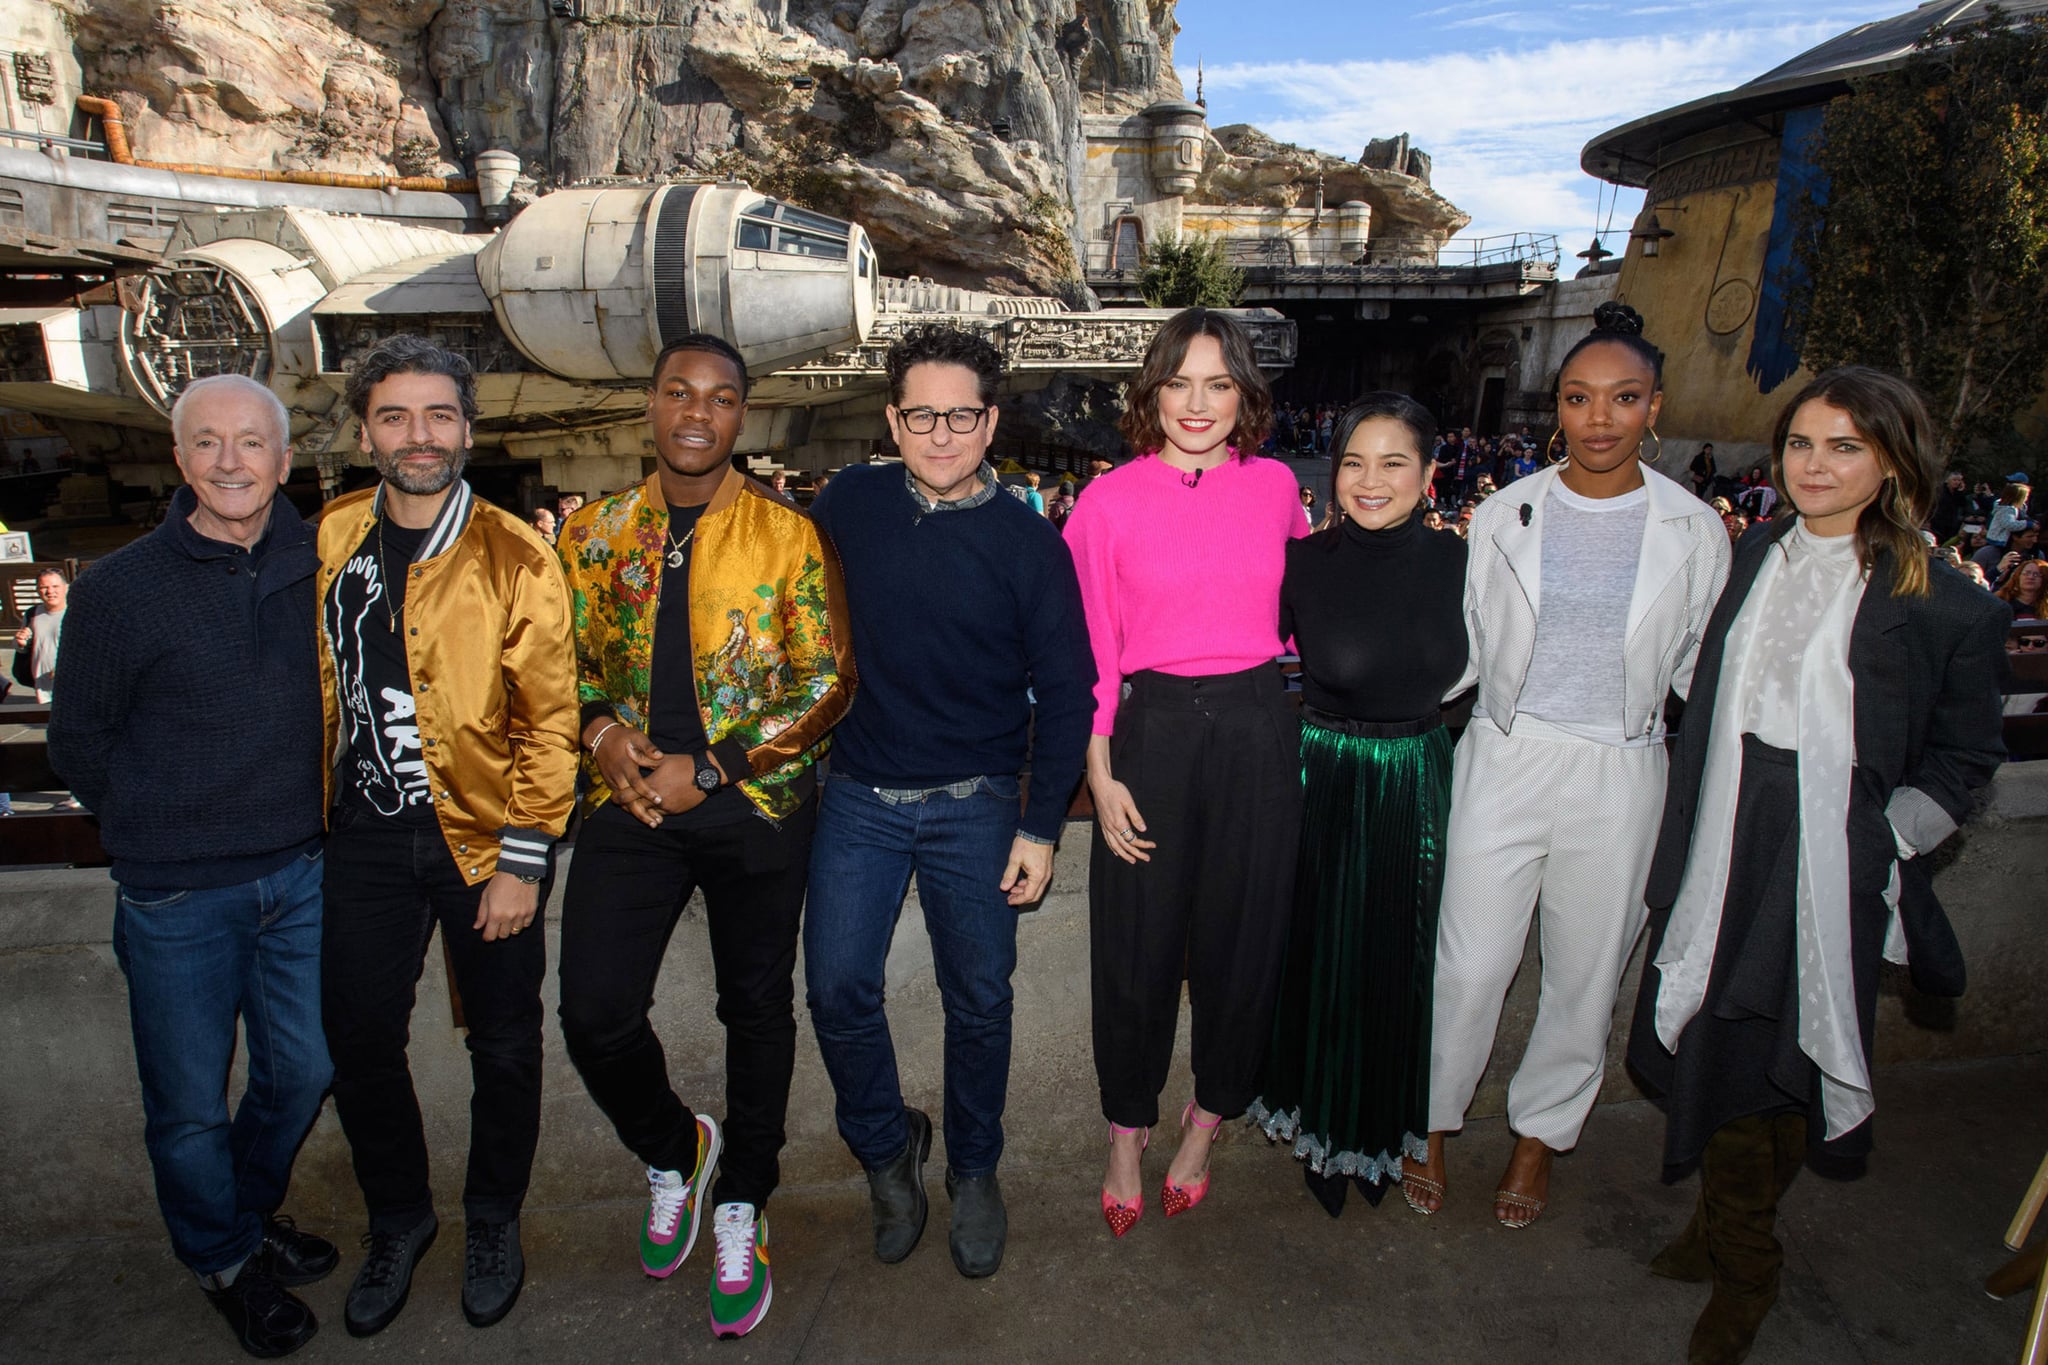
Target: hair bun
x,y
1619,318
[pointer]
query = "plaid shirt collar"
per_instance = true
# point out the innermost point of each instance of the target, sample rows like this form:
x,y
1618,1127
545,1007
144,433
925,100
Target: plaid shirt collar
x,y
925,506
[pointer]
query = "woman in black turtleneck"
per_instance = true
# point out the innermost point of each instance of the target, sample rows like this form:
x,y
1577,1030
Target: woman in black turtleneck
x,y
1375,605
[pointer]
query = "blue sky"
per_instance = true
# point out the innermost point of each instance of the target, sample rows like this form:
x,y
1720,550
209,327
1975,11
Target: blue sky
x,y
1501,95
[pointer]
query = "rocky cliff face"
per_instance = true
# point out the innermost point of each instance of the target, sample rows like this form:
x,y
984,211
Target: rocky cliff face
x,y
1409,219
950,129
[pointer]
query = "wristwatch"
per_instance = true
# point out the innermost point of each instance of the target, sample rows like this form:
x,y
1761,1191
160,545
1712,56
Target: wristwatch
x,y
708,780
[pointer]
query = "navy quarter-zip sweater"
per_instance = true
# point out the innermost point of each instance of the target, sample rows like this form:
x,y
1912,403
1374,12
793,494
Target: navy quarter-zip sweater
x,y
187,708
960,619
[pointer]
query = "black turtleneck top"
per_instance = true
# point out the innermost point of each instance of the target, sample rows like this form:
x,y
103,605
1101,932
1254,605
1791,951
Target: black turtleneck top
x,y
1378,618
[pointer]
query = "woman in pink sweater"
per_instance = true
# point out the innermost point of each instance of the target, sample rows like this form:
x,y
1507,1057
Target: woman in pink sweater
x,y
1195,762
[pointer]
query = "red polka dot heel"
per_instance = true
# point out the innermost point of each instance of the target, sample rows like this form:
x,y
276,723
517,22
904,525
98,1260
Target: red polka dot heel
x,y
1122,1215
1177,1199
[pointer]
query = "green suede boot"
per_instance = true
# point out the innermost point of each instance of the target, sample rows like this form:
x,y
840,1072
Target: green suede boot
x,y
1686,1257
1747,1167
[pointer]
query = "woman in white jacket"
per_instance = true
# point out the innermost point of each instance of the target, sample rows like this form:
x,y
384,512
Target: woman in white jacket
x,y
1587,590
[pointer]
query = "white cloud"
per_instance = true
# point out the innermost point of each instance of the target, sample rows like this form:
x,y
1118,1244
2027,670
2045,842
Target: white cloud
x,y
1505,127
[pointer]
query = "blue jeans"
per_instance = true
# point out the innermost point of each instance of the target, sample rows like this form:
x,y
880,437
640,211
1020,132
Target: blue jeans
x,y
195,962
861,863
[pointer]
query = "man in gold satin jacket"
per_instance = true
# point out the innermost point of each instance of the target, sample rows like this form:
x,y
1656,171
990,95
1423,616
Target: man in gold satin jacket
x,y
450,700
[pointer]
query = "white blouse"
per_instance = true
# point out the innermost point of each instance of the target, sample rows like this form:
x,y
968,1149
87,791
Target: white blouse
x,y
1785,618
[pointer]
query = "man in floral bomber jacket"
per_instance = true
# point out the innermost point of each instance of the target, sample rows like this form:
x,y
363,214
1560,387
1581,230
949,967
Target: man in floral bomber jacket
x,y
712,659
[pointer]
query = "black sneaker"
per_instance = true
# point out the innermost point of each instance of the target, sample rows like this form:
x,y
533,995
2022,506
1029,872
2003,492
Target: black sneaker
x,y
493,1268
292,1257
268,1320
381,1285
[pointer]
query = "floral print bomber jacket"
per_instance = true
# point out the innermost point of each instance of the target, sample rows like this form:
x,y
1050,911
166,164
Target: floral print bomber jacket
x,y
774,664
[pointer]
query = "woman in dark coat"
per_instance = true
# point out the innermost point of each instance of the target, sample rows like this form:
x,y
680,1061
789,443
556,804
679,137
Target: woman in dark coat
x,y
1845,702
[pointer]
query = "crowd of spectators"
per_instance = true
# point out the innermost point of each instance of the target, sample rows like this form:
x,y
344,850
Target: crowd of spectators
x,y
1989,534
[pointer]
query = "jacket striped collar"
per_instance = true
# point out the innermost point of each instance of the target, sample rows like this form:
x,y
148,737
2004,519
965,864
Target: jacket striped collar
x,y
448,526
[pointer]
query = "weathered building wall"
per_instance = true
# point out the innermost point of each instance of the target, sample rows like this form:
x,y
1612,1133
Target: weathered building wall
x,y
1699,294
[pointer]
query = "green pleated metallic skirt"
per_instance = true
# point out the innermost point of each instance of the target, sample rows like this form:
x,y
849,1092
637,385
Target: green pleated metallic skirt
x,y
1347,1075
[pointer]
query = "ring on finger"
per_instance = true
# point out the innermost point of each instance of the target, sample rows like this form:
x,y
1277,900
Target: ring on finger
x,y
1129,833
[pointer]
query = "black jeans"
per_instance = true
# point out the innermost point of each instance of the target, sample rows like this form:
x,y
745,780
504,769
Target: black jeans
x,y
627,887
1214,764
386,886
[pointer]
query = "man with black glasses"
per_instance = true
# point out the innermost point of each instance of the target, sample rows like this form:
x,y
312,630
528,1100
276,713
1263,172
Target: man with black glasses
x,y
974,659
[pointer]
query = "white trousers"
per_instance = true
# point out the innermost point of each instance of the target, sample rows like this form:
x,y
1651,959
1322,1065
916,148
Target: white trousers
x,y
1570,823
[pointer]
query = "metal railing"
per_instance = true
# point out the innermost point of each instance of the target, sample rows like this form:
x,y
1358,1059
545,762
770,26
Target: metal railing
x,y
77,144
1530,251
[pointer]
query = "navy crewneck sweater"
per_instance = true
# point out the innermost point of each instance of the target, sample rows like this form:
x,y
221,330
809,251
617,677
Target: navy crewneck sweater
x,y
956,613
187,713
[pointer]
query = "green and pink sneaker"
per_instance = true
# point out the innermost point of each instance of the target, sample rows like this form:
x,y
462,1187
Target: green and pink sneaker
x,y
741,1285
675,1206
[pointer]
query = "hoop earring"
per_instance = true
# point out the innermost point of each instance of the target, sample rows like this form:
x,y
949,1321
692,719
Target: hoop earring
x,y
1550,447
1652,459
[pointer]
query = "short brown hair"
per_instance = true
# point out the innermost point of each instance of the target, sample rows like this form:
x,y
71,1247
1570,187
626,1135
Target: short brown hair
x,y
1140,422
1887,412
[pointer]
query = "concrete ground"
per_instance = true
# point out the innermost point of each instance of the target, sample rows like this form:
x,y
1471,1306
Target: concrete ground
x,y
1885,1269
1880,1270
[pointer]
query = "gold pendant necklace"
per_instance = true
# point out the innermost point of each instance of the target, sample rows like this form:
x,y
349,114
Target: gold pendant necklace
x,y
384,571
676,547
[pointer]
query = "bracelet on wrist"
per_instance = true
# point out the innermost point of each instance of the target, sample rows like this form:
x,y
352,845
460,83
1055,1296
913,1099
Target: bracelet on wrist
x,y
603,730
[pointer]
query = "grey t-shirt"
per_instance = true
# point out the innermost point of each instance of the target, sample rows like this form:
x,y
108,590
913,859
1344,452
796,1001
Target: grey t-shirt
x,y
1590,550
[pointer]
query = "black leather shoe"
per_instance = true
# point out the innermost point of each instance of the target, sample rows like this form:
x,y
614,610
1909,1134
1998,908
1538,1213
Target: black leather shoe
x,y
292,1257
896,1192
493,1268
381,1285
268,1320
980,1224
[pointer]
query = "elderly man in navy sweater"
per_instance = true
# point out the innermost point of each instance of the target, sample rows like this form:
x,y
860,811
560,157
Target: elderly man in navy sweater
x,y
973,653
187,718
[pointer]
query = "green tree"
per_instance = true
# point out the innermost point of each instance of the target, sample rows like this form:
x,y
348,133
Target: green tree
x,y
1190,272
1930,255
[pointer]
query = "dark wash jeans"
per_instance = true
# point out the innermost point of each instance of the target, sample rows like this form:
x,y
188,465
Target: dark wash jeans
x,y
628,885
387,887
195,962
861,866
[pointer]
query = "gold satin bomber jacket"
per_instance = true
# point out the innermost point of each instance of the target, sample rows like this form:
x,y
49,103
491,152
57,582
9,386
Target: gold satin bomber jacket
x,y
493,676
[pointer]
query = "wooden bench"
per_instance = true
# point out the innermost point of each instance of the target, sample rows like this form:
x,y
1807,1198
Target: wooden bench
x,y
2026,736
36,838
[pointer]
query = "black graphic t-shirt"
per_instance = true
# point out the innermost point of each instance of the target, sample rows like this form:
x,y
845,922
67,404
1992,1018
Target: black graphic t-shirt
x,y
383,772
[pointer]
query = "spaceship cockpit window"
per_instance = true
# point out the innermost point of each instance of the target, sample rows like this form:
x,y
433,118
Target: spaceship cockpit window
x,y
767,225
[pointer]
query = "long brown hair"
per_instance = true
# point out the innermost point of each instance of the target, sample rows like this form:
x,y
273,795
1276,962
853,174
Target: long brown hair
x,y
1888,413
1140,422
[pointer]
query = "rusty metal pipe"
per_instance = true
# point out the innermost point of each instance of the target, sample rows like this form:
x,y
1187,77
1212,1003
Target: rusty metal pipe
x,y
109,114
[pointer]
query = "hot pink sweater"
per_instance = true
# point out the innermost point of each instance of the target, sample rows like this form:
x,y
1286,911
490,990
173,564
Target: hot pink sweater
x,y
1182,580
